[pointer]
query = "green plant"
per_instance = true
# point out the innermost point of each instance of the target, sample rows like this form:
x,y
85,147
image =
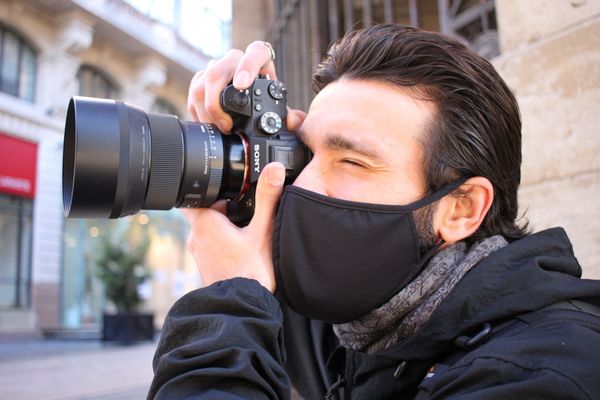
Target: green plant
x,y
121,267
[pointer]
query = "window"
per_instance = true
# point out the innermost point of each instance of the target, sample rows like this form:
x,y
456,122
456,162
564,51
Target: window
x,y
16,215
17,65
94,83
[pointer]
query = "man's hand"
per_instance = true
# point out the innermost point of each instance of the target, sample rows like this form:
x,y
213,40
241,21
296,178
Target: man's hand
x,y
221,249
206,86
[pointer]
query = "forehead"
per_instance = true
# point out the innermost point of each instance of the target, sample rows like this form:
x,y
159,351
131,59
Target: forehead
x,y
376,112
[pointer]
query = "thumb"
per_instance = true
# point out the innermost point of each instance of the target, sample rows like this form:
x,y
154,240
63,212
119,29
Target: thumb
x,y
268,193
295,118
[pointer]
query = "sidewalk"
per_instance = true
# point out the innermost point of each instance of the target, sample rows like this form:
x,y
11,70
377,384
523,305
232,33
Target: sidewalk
x,y
74,370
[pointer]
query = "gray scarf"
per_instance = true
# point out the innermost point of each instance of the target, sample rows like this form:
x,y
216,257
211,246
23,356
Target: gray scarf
x,y
411,308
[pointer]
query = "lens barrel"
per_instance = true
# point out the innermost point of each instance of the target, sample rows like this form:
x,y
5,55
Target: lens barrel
x,y
118,160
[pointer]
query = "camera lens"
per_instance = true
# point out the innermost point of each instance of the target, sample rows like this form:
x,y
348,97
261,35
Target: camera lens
x,y
118,160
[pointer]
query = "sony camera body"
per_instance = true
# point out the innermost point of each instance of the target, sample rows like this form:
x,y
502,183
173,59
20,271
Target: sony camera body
x,y
259,115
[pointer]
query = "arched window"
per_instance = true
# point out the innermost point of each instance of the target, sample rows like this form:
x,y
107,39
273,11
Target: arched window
x,y
163,106
17,65
94,83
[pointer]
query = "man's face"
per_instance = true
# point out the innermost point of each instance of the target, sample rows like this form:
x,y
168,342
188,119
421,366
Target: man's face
x,y
364,136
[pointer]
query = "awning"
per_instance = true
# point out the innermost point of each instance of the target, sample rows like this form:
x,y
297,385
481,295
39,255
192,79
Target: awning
x,y
18,159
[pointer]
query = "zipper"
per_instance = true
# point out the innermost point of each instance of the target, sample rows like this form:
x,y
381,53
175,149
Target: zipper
x,y
335,387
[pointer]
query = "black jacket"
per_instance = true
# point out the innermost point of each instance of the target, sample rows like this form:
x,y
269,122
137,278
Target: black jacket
x,y
505,331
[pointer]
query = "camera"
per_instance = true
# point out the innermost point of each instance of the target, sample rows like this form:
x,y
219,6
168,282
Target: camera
x,y
118,159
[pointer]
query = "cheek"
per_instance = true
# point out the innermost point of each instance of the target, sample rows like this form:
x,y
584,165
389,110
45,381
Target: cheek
x,y
376,189
354,187
326,179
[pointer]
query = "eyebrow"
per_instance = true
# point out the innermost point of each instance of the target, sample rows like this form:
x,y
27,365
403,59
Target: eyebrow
x,y
335,141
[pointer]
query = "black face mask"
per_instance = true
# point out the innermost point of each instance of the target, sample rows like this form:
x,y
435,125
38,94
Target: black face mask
x,y
336,260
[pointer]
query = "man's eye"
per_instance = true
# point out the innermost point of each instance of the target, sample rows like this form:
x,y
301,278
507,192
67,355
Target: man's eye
x,y
354,163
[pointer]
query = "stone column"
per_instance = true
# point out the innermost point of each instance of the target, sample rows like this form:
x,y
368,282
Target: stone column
x,y
58,65
250,22
551,59
151,74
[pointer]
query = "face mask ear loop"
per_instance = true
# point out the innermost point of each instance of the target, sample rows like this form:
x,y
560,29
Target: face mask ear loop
x,y
429,255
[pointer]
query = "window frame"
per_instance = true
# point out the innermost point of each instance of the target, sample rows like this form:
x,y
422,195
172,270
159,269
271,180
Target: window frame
x,y
24,46
21,209
110,88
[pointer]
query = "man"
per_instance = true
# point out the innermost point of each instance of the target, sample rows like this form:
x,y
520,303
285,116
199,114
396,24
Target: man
x,y
398,242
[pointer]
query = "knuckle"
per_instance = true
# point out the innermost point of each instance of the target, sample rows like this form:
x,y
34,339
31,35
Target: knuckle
x,y
213,108
196,93
196,80
213,72
255,45
197,76
191,243
234,53
191,109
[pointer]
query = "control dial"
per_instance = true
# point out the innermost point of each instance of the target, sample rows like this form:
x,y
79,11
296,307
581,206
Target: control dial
x,y
270,122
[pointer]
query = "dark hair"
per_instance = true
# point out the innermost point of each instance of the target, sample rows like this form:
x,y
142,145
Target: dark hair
x,y
477,129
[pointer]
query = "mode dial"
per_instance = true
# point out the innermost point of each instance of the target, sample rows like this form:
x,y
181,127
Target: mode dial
x,y
277,90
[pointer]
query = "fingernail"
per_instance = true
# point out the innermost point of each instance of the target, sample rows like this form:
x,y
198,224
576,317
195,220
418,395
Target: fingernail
x,y
241,80
276,176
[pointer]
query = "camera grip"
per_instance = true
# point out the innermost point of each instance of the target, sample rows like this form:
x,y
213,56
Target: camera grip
x,y
240,212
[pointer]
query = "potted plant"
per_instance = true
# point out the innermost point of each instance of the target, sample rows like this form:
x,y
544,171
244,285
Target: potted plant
x,y
121,267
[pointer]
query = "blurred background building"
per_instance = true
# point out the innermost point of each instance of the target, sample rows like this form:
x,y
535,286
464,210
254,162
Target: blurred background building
x,y
548,51
142,51
146,51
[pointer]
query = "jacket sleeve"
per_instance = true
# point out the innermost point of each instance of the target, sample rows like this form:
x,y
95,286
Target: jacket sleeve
x,y
224,341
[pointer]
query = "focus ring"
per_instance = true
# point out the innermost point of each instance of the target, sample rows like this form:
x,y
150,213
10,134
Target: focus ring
x,y
216,166
166,162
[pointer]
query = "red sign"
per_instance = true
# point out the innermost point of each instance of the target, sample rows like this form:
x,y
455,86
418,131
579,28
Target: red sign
x,y
18,159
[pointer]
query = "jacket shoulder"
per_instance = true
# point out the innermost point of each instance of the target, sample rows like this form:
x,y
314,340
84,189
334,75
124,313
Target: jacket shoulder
x,y
548,354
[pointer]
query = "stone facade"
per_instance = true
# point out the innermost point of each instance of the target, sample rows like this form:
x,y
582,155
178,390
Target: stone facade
x,y
144,58
551,60
251,21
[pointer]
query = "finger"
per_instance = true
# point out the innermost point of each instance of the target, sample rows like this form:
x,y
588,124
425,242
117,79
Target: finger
x,y
196,217
203,220
256,59
191,215
220,206
193,114
295,118
191,243
195,96
217,77
206,87
268,193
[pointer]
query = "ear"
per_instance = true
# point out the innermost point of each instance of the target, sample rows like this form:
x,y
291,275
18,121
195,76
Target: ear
x,y
460,214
